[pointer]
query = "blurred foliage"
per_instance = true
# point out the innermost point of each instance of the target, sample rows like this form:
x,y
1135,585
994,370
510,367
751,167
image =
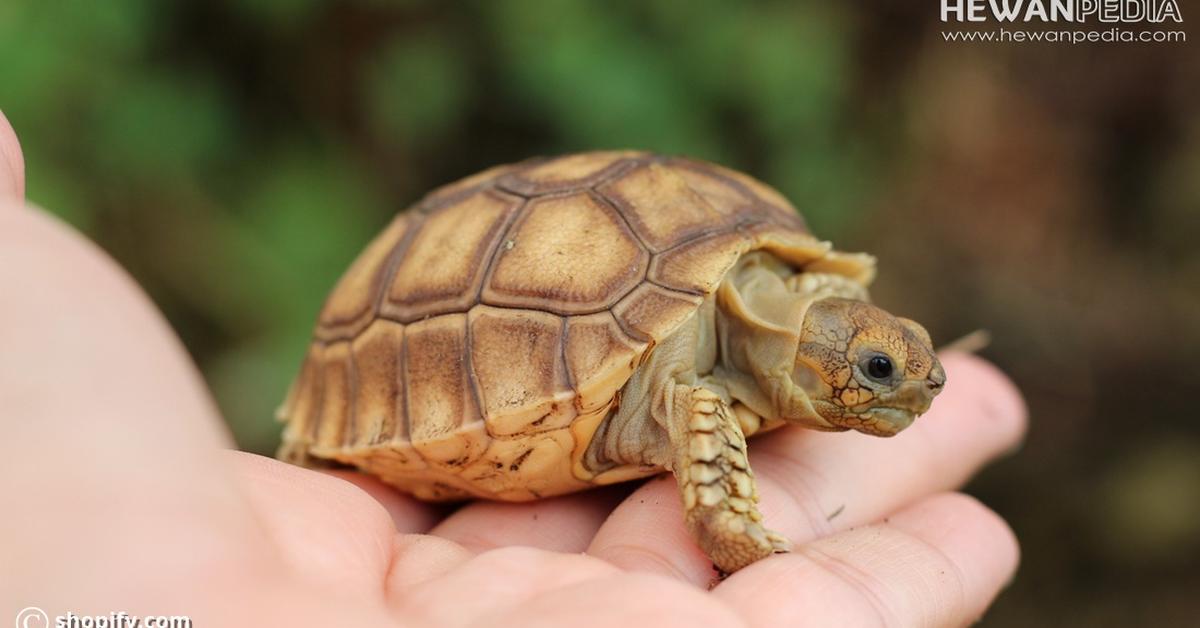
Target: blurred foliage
x,y
235,156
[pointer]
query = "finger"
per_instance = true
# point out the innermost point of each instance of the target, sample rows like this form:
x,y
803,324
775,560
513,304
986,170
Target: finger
x,y
938,563
610,601
327,529
646,533
12,165
437,582
419,558
408,515
564,524
502,578
814,483
98,397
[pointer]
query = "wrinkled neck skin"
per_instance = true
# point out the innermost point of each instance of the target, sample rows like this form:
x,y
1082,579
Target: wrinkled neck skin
x,y
759,316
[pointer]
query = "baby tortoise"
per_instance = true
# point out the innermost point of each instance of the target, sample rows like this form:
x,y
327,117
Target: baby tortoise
x,y
553,325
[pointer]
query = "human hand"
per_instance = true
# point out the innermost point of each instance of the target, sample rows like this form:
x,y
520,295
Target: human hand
x,y
121,494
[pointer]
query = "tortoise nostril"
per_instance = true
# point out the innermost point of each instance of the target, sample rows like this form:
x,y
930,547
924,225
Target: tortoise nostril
x,y
936,379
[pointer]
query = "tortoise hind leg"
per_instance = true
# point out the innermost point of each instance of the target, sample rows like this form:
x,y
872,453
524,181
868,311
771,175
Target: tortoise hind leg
x,y
719,494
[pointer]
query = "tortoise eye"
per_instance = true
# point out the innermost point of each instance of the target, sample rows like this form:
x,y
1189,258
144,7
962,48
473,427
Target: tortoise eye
x,y
878,367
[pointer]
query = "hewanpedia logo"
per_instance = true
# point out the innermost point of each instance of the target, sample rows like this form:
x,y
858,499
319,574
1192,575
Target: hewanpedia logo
x,y
1078,11
1064,21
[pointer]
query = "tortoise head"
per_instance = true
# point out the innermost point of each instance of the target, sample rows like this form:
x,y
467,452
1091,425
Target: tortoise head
x,y
863,369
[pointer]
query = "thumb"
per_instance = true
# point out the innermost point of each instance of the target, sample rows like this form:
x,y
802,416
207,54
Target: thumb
x,y
12,165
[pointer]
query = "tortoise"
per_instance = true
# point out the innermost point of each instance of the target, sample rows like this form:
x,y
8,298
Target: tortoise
x,y
554,325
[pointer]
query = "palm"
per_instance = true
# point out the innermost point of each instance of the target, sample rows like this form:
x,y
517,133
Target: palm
x,y
128,501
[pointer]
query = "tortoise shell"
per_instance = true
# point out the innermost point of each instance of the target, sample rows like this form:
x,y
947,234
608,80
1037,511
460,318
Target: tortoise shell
x,y
477,343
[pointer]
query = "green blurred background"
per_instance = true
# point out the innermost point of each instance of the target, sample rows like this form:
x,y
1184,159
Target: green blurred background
x,y
235,156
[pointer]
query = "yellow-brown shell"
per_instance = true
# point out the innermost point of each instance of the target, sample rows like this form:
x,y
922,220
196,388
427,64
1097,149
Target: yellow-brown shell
x,y
475,345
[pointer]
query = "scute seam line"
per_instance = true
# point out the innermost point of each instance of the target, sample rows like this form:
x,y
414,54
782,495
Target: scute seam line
x,y
350,431
489,264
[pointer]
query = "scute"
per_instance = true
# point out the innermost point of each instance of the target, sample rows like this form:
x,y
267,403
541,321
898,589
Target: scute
x,y
779,206
477,343
336,414
722,196
443,266
351,304
301,408
566,254
441,399
652,312
600,358
378,408
523,469
533,398
699,265
663,209
569,173
718,182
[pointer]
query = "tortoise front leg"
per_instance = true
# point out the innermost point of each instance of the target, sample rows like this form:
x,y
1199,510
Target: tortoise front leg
x,y
719,495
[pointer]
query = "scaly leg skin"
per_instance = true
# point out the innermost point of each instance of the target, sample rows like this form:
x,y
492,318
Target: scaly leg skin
x,y
719,495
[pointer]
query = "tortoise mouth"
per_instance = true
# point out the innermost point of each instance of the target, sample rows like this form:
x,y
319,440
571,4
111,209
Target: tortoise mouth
x,y
878,421
891,420
897,410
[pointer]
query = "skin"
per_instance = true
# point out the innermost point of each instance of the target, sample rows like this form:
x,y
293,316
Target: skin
x,y
125,496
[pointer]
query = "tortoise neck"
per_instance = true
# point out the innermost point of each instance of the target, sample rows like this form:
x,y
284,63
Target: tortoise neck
x,y
760,311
